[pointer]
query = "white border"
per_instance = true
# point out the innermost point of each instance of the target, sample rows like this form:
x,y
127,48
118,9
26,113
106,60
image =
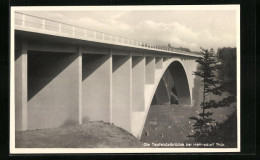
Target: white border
x,y
14,150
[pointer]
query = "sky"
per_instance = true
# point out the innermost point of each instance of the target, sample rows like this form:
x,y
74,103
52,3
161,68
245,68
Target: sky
x,y
181,28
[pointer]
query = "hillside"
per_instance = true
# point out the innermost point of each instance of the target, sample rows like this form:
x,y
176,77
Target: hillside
x,y
89,135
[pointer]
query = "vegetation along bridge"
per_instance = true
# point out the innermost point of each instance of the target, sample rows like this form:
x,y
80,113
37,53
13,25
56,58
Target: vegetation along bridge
x,y
65,74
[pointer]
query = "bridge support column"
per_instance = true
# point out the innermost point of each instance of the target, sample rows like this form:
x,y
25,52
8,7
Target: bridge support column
x,y
121,105
150,70
193,68
188,65
138,93
138,83
158,62
96,87
21,115
149,79
80,83
164,60
110,87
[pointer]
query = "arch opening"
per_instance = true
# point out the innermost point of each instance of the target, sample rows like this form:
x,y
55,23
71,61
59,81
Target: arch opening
x,y
172,91
181,85
173,87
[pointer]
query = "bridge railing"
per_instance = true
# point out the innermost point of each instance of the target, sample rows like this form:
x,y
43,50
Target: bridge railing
x,y
23,19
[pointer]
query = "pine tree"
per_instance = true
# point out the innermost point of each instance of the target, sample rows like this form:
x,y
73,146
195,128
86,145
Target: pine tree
x,y
208,67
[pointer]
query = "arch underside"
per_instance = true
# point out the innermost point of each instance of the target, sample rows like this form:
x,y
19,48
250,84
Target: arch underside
x,y
171,86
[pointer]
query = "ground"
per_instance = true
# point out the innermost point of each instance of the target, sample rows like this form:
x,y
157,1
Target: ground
x,y
89,135
171,123
165,123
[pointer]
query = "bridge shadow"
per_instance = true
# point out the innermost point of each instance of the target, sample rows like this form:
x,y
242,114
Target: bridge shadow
x,y
136,60
43,67
18,53
118,61
148,60
91,62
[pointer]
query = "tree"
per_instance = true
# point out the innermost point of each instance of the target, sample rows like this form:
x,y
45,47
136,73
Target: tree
x,y
208,67
228,73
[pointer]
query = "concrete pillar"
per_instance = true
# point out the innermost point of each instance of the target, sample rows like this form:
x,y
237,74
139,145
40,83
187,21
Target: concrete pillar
x,y
121,92
111,86
149,70
165,59
188,71
53,89
190,78
21,110
158,62
138,92
96,87
138,83
80,83
192,69
131,91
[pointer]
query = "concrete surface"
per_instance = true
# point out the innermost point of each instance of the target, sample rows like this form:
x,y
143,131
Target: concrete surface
x,y
149,70
52,89
121,92
21,105
96,87
138,81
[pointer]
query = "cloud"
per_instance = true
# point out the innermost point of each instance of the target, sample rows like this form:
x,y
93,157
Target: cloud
x,y
180,35
110,25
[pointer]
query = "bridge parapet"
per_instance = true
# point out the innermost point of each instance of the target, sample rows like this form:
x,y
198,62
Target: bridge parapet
x,y
27,22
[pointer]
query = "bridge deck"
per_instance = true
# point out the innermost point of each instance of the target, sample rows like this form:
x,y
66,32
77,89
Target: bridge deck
x,y
30,23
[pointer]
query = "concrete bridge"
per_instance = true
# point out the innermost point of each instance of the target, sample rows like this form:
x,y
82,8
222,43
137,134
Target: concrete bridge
x,y
66,74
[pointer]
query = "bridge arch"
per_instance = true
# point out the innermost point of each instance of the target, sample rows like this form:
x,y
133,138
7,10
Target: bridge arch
x,y
176,67
181,82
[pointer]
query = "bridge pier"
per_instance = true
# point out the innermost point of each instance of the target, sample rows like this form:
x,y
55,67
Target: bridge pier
x,y
96,87
121,105
138,92
21,108
79,51
149,70
158,62
190,66
138,83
